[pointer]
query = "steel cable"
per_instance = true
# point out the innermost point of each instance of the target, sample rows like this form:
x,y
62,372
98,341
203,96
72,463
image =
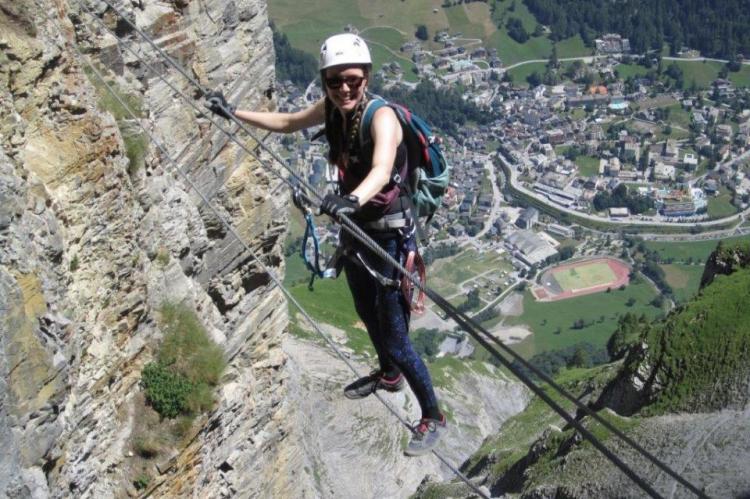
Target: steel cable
x,y
230,228
467,323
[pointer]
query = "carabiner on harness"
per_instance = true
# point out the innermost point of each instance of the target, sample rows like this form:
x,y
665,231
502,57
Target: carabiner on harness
x,y
333,268
414,265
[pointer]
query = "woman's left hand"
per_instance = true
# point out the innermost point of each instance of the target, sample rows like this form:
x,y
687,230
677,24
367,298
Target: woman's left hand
x,y
336,206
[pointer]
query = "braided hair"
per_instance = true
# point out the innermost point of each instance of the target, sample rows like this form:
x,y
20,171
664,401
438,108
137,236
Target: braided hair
x,y
343,135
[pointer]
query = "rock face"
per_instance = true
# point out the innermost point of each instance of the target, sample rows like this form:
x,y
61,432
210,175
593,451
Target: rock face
x,y
354,448
96,232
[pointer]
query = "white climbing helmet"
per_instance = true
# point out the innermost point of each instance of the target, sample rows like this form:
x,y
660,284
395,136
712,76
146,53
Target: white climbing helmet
x,y
345,48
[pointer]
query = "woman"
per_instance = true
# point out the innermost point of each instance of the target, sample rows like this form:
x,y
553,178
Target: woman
x,y
368,161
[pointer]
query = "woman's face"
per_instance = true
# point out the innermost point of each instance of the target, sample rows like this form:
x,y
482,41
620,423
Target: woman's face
x,y
345,86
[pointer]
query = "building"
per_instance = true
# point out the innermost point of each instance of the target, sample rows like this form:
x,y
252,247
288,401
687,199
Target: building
x,y
529,247
612,43
663,171
619,212
528,218
690,162
678,209
555,136
725,132
561,230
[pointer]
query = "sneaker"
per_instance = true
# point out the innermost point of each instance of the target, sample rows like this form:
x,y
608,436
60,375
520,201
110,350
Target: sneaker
x,y
374,381
427,434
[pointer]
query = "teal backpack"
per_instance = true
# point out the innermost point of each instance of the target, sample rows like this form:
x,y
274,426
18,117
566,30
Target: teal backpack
x,y
428,172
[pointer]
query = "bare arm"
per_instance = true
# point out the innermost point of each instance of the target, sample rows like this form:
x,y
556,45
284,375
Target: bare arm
x,y
285,122
387,135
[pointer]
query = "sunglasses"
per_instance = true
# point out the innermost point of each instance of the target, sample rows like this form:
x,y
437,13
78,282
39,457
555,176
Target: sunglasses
x,y
353,82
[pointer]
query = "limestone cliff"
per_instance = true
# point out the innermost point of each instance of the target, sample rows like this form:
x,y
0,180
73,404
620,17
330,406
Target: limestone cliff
x,y
96,233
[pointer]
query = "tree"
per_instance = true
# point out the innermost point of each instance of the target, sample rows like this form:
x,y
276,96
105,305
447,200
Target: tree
x,y
566,252
421,33
534,79
553,62
516,30
580,358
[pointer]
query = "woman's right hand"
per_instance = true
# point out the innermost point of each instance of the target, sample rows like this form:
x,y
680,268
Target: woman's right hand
x,y
217,104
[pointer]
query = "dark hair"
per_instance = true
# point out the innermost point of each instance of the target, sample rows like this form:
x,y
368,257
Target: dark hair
x,y
340,140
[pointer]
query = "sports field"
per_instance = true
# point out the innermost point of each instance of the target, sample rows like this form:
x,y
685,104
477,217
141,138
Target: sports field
x,y
582,277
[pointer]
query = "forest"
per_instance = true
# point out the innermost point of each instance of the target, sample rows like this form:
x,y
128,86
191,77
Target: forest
x,y
293,64
443,108
718,28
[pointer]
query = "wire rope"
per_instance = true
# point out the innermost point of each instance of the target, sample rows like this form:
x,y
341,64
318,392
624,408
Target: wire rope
x,y
230,228
464,321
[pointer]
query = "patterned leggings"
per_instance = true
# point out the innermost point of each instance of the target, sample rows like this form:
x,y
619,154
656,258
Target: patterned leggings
x,y
385,313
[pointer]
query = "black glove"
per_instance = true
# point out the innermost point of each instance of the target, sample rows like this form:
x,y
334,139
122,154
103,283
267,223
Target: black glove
x,y
336,205
218,105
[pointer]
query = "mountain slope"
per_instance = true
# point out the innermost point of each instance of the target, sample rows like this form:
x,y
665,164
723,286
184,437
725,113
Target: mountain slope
x,y
682,392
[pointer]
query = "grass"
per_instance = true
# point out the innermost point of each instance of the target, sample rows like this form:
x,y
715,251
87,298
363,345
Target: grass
x,y
572,47
703,349
136,147
588,166
683,279
584,276
308,24
445,274
136,143
514,439
721,206
390,37
330,302
188,365
628,70
742,77
686,252
679,116
459,22
520,73
599,312
107,100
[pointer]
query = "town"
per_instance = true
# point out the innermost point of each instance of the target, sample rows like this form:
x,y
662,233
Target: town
x,y
594,145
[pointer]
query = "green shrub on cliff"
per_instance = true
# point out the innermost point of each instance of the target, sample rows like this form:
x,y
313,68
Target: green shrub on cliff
x,y
187,367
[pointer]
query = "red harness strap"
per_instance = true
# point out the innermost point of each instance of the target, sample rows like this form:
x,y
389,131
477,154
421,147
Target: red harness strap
x,y
414,264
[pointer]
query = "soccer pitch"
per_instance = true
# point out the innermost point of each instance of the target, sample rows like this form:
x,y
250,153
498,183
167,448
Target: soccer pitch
x,y
584,276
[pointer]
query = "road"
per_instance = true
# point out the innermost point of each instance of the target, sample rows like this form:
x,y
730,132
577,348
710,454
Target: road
x,y
739,217
497,197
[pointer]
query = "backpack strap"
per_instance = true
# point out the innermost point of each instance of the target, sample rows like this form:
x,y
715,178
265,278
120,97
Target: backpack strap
x,y
372,106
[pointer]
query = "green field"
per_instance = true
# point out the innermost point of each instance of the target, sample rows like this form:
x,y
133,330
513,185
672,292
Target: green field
x,y
387,22
721,206
445,275
687,252
683,279
584,276
551,322
520,73
588,166
627,70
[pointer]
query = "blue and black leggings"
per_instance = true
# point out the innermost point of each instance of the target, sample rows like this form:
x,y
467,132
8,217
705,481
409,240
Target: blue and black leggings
x,y
385,312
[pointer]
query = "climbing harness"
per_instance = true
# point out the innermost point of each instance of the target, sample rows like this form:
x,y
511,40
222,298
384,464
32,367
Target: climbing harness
x,y
415,267
480,334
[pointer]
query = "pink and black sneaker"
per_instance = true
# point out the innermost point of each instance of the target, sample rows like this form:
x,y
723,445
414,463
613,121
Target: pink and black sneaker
x,y
425,436
376,380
